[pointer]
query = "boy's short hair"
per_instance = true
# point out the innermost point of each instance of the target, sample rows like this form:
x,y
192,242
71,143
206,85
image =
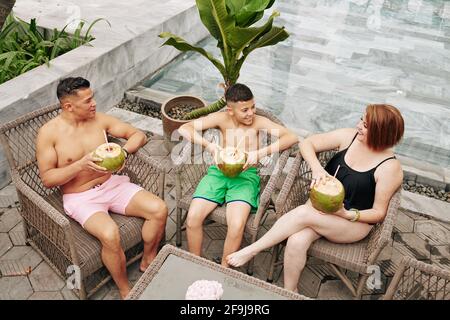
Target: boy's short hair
x,y
238,92
385,126
71,85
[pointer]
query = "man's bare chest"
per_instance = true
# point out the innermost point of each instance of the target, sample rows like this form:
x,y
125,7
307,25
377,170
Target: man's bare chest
x,y
75,144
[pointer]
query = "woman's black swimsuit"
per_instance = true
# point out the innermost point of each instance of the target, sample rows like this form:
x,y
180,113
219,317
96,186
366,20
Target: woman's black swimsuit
x,y
359,186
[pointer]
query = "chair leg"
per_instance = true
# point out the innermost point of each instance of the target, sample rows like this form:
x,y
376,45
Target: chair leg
x,y
250,266
82,292
178,232
344,279
273,261
361,283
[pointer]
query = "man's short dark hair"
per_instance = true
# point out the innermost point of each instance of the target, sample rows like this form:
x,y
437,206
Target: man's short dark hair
x,y
238,92
69,86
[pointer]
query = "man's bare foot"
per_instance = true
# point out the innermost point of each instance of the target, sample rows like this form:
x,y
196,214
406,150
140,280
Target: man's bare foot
x,y
241,257
145,262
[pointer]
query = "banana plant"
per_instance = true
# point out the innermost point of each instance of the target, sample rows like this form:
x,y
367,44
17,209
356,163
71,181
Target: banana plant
x,y
229,22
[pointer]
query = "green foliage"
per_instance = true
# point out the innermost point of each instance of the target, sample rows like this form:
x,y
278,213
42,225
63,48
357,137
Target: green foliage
x,y
229,22
24,47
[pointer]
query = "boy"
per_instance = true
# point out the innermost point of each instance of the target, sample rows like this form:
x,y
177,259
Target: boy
x,y
239,127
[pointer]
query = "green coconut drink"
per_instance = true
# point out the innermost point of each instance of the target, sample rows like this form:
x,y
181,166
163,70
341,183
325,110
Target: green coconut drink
x,y
328,196
231,161
112,154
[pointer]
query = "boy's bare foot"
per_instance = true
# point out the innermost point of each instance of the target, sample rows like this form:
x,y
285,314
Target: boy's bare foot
x,y
241,257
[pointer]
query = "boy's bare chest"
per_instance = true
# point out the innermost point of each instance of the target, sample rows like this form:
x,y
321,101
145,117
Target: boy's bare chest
x,y
245,138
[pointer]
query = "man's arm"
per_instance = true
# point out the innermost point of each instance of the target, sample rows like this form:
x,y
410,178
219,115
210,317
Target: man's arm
x,y
47,161
119,129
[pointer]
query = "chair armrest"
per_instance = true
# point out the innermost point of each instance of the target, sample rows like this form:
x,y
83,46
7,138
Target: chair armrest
x,y
146,172
289,196
382,232
189,168
269,189
413,276
44,217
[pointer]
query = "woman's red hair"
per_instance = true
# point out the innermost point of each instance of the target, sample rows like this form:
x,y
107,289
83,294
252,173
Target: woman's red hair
x,y
385,126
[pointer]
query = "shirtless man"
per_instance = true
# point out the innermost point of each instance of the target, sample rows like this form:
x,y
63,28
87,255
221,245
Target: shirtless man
x,y
240,127
64,154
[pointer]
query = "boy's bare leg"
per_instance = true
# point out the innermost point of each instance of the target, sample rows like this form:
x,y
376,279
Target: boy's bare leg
x,y
198,211
153,209
103,227
237,215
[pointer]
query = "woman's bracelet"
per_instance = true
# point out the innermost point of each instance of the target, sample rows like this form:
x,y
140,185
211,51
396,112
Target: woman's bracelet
x,y
126,153
357,215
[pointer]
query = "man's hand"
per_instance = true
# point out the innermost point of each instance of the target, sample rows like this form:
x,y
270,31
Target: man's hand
x,y
252,159
88,163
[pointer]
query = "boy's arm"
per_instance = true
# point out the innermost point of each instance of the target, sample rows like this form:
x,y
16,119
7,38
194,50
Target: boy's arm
x,y
286,138
190,130
119,129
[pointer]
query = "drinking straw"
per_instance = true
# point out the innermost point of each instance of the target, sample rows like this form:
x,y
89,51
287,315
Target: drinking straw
x,y
239,143
106,139
336,171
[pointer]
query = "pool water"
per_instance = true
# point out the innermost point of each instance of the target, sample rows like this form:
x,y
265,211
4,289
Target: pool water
x,y
341,56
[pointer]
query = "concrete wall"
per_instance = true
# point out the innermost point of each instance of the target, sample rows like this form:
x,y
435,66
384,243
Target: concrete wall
x,y
120,57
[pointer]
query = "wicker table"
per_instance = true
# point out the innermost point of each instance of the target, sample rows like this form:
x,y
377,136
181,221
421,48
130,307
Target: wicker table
x,y
174,270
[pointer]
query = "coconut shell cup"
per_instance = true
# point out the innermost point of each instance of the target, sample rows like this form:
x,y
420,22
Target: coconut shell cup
x,y
327,203
231,170
113,156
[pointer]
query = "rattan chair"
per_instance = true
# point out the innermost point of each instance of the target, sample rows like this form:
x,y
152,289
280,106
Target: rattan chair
x,y
416,280
187,177
356,257
61,241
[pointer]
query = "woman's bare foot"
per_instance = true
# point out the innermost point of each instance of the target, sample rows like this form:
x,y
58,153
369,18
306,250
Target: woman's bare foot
x,y
241,257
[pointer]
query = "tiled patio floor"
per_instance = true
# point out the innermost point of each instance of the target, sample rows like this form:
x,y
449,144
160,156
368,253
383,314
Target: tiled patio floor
x,y
414,235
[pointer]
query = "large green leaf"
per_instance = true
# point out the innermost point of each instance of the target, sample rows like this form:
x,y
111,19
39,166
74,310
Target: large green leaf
x,y
275,35
215,17
239,38
184,46
247,12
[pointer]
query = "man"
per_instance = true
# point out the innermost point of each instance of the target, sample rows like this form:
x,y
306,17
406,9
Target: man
x,y
240,128
65,158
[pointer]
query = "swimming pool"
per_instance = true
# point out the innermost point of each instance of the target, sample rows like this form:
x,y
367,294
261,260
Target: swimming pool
x,y
341,56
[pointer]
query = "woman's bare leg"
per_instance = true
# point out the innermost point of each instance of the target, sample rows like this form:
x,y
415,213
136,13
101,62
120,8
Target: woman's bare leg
x,y
198,211
332,227
295,255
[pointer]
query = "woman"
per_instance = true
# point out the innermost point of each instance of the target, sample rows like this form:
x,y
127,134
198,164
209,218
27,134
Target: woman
x,y
370,174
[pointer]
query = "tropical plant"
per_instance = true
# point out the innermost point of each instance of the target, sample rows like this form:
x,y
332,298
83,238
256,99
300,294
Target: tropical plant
x,y
23,46
229,22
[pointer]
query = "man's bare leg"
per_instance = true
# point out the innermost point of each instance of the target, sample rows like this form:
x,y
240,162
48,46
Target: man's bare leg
x,y
237,215
198,211
295,256
153,209
103,227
